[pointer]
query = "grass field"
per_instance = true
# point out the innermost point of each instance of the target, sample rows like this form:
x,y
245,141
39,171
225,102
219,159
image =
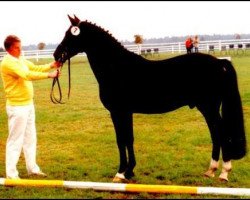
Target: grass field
x,y
76,141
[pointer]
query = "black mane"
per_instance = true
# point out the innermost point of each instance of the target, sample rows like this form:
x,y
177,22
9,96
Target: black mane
x,y
103,37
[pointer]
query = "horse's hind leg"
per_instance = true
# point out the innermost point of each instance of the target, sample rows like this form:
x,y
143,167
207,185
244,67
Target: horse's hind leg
x,y
124,136
214,122
226,165
226,168
212,168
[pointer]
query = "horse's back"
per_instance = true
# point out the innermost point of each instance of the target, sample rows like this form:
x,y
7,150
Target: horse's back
x,y
177,75
161,86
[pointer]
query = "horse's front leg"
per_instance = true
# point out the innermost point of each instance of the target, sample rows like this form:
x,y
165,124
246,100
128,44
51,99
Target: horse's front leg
x,y
124,136
131,157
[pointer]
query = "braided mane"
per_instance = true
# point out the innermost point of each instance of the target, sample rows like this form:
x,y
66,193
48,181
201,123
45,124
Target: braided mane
x,y
107,36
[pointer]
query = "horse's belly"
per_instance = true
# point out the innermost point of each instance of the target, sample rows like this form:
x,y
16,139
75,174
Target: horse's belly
x,y
154,107
144,102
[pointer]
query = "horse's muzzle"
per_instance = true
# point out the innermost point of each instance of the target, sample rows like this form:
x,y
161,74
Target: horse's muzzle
x,y
61,58
60,54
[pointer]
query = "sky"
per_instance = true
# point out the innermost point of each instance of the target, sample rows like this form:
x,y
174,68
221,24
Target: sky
x,y
47,21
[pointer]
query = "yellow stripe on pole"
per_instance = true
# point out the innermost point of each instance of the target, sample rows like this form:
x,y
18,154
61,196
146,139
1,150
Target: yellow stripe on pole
x,y
121,187
161,189
35,183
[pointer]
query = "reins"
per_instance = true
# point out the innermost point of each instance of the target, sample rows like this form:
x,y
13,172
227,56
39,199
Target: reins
x,y
53,98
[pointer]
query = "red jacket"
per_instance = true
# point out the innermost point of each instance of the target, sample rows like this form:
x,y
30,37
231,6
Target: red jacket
x,y
188,43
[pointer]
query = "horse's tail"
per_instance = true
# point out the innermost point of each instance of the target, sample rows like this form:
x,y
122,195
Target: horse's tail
x,y
234,139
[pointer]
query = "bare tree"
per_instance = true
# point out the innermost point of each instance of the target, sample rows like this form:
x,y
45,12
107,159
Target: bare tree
x,y
41,45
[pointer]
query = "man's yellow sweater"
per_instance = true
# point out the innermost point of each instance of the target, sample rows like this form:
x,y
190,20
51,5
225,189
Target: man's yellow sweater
x,y
17,75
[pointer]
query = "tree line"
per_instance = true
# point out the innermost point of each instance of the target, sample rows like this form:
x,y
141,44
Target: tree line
x,y
175,39
167,39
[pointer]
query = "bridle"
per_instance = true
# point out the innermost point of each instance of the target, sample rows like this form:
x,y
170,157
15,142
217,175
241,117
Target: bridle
x,y
55,81
63,58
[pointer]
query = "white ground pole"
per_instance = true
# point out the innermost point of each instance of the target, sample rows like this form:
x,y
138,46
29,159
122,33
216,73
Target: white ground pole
x,y
126,187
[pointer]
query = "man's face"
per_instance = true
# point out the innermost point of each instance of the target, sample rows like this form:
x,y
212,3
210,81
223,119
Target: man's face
x,y
15,49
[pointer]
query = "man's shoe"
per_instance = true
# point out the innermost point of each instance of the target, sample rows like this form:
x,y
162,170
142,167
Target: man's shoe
x,y
40,173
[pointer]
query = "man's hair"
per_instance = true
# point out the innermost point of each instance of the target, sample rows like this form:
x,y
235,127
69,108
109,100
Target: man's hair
x,y
10,40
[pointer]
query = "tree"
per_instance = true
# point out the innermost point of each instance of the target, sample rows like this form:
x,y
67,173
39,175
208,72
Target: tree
x,y
138,40
41,45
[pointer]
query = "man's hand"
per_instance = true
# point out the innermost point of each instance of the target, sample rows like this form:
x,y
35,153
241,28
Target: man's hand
x,y
54,74
55,64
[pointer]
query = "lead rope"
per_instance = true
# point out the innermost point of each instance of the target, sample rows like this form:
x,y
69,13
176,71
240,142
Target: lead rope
x,y
55,81
69,79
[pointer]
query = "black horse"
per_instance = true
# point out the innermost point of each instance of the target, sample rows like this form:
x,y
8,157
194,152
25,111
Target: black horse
x,y
129,83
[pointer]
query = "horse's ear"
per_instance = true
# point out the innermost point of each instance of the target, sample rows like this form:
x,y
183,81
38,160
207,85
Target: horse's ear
x,y
72,20
77,20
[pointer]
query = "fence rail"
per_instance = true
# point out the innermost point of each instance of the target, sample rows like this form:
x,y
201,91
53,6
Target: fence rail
x,y
204,46
178,47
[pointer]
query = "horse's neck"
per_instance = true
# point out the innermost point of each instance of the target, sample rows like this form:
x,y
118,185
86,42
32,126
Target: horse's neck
x,y
97,63
105,48
102,57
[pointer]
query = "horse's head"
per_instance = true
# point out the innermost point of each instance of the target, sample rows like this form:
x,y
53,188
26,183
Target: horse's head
x,y
70,45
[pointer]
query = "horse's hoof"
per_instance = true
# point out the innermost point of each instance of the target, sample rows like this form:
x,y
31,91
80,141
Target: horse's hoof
x,y
120,178
129,175
227,167
223,176
209,173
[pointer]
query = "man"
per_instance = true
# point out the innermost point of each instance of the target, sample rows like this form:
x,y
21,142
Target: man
x,y
189,45
17,75
196,44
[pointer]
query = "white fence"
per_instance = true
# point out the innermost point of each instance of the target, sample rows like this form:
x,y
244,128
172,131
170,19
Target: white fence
x,y
179,47
204,46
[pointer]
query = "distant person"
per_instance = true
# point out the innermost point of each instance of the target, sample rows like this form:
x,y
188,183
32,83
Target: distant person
x,y
17,75
196,42
189,45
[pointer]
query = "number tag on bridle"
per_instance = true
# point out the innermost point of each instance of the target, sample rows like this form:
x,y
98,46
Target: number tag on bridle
x,y
75,30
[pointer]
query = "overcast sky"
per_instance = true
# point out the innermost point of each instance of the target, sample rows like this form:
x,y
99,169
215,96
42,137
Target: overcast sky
x,y
47,21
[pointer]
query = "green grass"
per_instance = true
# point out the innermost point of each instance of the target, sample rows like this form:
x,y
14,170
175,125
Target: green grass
x,y
76,141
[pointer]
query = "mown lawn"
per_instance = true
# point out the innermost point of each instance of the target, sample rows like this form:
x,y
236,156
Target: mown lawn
x,y
76,141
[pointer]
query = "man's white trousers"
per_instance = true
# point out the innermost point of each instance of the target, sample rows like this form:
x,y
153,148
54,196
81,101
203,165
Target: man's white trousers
x,y
22,136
